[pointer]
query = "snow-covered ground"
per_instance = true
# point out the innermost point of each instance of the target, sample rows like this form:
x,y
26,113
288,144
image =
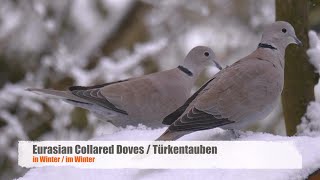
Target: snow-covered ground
x,y
309,147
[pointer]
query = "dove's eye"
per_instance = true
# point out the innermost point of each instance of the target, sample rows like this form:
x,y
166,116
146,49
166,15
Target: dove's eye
x,y
284,30
206,54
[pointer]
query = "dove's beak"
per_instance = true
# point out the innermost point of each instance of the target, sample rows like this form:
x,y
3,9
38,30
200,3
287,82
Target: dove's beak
x,y
297,41
217,65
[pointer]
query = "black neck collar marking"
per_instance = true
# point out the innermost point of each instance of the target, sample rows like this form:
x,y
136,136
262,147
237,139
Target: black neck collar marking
x,y
263,45
185,70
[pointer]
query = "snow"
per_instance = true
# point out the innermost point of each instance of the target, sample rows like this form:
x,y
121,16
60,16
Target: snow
x,y
314,54
311,121
310,124
314,50
309,147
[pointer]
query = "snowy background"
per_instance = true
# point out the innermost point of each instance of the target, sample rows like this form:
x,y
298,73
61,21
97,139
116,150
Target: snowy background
x,y
56,44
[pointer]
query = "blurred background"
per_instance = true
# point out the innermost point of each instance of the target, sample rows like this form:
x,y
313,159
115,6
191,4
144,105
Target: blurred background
x,y
56,44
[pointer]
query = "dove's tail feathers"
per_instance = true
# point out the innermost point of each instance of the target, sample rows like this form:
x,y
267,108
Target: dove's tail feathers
x,y
171,135
65,95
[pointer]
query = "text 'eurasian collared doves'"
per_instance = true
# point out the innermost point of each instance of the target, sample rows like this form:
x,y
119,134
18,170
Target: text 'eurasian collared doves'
x,y
239,94
146,99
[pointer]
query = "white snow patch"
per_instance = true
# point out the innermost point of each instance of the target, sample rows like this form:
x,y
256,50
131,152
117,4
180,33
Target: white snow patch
x,y
314,50
310,125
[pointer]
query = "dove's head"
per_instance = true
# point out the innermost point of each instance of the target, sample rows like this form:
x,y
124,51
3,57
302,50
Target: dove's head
x,y
199,57
280,34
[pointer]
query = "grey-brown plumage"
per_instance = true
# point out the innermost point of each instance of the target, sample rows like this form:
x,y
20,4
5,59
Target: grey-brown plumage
x,y
243,92
146,99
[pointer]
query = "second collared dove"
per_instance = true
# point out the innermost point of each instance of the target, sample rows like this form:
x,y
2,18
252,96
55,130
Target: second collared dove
x,y
243,92
146,99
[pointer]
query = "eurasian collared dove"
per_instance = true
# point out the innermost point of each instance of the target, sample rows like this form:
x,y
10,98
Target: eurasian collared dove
x,y
243,92
146,99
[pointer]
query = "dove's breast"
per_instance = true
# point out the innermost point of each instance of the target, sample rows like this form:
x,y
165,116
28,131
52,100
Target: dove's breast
x,y
255,97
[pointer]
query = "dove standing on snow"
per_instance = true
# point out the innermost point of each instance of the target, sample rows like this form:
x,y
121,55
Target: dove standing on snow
x,y
243,92
146,99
